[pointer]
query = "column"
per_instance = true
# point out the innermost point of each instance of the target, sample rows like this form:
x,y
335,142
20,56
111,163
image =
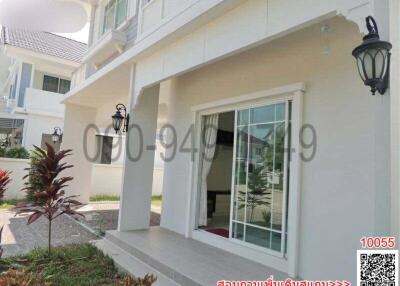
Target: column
x,y
78,137
139,163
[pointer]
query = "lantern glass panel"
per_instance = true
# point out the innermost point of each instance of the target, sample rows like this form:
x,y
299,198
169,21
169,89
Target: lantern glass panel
x,y
55,138
117,121
368,60
360,68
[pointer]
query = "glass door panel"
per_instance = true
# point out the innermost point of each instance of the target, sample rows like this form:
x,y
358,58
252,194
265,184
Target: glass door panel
x,y
240,172
260,174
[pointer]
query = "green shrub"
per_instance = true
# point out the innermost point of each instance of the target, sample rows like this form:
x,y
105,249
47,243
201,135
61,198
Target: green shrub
x,y
2,152
77,265
15,152
33,184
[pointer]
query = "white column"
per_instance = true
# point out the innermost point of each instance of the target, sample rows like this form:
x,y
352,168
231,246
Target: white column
x,y
395,118
76,122
138,169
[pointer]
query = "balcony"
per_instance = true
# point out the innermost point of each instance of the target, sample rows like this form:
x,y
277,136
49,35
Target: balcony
x,y
110,43
41,101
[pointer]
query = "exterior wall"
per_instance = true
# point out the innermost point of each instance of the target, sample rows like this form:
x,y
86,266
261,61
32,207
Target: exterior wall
x,y
346,181
17,167
44,101
39,75
36,125
107,180
157,11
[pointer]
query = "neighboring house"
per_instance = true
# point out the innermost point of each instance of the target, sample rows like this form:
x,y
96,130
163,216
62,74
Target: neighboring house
x,y
36,69
252,69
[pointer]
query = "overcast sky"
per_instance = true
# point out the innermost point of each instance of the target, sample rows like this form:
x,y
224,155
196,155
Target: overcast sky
x,y
81,36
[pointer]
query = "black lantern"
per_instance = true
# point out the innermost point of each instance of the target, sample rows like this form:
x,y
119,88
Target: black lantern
x,y
57,135
373,59
119,120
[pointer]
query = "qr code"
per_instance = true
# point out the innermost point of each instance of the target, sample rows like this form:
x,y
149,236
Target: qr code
x,y
377,268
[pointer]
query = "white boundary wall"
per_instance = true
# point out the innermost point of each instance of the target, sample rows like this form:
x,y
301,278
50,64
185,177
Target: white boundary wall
x,y
17,167
106,179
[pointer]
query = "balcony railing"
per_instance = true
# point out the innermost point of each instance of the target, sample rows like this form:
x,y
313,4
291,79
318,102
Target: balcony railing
x,y
43,101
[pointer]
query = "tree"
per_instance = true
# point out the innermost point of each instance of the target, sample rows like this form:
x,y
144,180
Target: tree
x,y
258,193
50,201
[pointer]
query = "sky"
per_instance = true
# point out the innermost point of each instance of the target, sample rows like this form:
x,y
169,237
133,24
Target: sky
x,y
81,36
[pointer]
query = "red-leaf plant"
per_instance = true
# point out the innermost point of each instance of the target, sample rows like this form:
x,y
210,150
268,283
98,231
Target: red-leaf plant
x,y
5,179
50,201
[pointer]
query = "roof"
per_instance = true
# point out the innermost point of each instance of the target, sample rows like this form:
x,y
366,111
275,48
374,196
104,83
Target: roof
x,y
45,43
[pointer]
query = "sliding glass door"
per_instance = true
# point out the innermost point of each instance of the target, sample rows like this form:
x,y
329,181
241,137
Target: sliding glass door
x,y
260,176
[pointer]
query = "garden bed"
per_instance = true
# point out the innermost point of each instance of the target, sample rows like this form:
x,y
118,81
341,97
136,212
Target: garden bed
x,y
73,265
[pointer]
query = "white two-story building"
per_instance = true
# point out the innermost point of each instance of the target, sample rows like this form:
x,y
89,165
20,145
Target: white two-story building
x,y
278,159
36,71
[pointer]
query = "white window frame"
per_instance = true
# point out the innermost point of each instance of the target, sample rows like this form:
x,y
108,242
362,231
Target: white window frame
x,y
115,26
59,83
294,93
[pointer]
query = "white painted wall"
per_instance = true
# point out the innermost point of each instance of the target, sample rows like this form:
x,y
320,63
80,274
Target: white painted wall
x,y
339,187
107,180
44,101
36,125
17,167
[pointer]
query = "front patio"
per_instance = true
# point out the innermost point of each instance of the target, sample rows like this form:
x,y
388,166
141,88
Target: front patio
x,y
182,260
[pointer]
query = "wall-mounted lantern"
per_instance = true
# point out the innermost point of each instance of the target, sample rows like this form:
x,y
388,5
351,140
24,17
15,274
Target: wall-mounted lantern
x,y
56,137
373,59
119,120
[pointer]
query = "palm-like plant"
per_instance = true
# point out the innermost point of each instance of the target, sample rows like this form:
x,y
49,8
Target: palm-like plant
x,y
5,179
50,201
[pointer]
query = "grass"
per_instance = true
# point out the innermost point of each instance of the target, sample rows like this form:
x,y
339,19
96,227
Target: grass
x,y
8,204
155,200
74,265
104,198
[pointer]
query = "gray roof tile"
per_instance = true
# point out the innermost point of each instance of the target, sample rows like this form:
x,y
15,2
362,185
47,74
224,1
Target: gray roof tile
x,y
44,43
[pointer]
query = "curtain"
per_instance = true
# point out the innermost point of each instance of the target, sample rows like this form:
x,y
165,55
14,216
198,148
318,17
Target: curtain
x,y
210,130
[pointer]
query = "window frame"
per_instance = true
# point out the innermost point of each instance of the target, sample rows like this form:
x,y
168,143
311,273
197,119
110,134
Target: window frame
x,y
294,93
114,6
59,79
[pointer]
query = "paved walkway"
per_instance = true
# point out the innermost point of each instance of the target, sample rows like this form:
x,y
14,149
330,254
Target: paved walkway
x,y
20,238
100,217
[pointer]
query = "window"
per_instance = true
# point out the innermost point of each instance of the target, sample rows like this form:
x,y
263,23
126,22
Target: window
x,y
115,12
65,86
55,84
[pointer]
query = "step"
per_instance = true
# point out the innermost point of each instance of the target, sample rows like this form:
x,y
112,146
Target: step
x,y
129,264
187,261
